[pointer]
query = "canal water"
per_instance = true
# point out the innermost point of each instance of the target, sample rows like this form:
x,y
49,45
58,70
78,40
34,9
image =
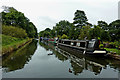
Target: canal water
x,y
44,60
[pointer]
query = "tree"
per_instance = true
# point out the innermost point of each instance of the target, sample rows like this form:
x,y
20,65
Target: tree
x,y
63,27
105,35
95,32
80,19
53,34
114,30
48,29
12,17
72,32
103,25
45,33
84,32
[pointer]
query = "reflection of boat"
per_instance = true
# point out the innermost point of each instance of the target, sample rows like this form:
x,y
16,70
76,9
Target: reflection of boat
x,y
80,63
86,46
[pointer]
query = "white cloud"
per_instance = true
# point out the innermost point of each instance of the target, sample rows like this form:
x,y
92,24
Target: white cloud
x,y
45,13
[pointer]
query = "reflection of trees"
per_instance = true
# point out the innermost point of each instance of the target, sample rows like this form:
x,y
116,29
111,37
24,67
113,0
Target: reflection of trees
x,y
44,45
92,63
80,62
19,58
60,56
114,64
93,68
76,68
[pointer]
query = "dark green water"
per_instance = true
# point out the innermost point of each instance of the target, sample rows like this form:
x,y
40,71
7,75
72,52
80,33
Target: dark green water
x,y
33,61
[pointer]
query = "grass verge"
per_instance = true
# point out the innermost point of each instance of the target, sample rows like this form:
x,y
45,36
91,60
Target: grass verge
x,y
11,43
113,50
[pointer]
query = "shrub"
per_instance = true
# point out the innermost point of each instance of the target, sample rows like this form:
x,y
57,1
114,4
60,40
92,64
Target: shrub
x,y
14,31
64,36
115,43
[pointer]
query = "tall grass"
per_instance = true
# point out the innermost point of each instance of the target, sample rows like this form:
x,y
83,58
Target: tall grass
x,y
11,43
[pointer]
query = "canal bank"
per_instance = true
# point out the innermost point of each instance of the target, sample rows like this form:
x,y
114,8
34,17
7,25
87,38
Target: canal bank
x,y
114,56
6,49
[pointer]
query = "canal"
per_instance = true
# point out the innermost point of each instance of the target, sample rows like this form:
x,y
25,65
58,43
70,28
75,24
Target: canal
x,y
44,60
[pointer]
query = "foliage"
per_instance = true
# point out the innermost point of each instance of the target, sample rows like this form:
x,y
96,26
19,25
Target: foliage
x,y
14,31
105,35
11,43
95,32
65,27
80,19
6,40
116,43
72,32
53,34
113,50
45,33
103,25
12,17
64,36
84,32
48,29
62,27
114,30
81,28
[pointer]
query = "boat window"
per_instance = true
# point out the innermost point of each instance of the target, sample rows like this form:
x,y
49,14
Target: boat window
x,y
71,43
91,44
82,44
78,44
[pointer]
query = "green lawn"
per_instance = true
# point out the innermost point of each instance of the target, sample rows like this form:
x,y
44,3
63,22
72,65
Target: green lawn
x,y
9,43
113,50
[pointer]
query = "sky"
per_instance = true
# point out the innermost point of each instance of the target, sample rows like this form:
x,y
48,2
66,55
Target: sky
x,y
46,13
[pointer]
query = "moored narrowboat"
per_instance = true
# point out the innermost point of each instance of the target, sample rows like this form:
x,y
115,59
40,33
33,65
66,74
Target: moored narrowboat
x,y
51,40
86,46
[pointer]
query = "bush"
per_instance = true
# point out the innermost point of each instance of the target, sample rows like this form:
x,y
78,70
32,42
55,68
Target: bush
x,y
115,43
14,31
64,36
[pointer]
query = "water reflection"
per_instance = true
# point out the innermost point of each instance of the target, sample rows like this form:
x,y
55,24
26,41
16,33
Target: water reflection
x,y
16,60
80,62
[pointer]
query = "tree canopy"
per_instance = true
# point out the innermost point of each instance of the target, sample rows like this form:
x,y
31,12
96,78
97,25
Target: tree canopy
x,y
103,25
80,19
81,29
114,30
12,17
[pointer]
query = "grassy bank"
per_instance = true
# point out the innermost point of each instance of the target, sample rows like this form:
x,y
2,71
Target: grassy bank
x,y
11,43
113,50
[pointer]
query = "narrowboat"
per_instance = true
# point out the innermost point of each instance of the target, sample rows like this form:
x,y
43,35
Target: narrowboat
x,y
51,40
86,46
